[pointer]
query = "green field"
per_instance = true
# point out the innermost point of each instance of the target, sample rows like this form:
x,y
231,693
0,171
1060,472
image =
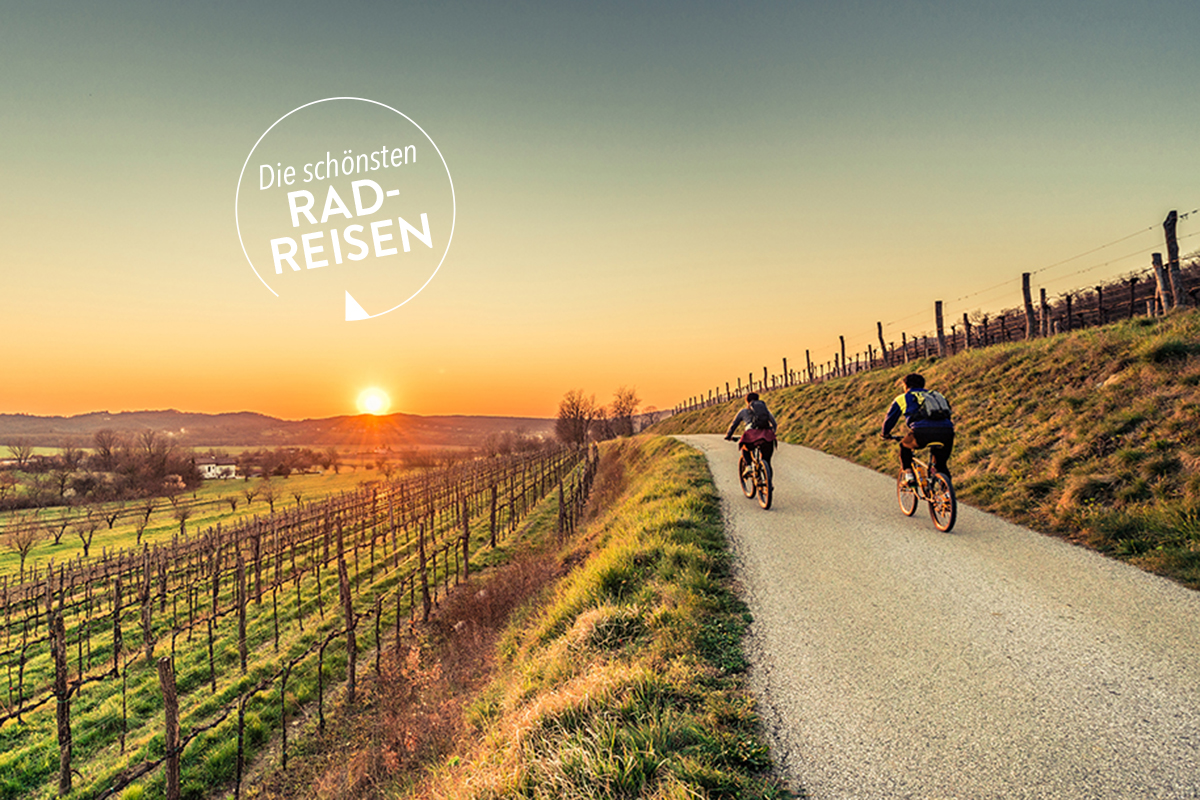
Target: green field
x,y
210,504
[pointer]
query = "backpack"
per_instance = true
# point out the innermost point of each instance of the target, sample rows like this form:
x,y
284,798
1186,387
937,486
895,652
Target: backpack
x,y
931,406
760,418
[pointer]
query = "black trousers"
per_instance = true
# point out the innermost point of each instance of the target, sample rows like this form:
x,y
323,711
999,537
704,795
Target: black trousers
x,y
921,437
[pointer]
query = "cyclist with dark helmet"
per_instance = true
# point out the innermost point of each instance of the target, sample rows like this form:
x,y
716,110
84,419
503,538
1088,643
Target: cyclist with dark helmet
x,y
928,416
760,432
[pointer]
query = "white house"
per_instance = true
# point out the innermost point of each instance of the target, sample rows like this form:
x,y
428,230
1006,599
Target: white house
x,y
210,467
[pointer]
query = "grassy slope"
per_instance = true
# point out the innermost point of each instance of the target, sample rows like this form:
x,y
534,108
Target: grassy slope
x,y
1093,435
627,681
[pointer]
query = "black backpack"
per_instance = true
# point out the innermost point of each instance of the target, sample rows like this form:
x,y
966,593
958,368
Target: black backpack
x,y
760,418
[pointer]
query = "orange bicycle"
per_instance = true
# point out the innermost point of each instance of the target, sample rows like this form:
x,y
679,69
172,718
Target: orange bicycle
x,y
931,486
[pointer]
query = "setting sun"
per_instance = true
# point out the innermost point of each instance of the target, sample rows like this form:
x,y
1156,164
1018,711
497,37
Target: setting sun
x,y
373,401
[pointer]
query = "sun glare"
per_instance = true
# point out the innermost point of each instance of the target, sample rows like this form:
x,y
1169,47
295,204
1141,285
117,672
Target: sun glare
x,y
373,401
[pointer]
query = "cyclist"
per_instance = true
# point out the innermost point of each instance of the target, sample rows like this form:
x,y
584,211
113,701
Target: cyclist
x,y
928,416
760,432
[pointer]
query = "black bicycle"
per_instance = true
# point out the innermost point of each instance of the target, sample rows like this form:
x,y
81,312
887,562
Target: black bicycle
x,y
931,486
755,476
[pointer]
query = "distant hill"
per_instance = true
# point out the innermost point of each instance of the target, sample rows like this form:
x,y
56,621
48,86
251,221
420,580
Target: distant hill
x,y
250,429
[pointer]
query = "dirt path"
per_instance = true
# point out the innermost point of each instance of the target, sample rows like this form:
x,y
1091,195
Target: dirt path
x,y
892,660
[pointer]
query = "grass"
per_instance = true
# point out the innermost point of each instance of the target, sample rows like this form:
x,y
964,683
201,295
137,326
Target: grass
x,y
627,678
1092,435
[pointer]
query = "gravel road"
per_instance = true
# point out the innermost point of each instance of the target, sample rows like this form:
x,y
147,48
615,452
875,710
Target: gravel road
x,y
891,660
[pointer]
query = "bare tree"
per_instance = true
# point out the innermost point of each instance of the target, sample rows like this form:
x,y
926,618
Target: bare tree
x,y
145,509
22,451
22,534
8,485
266,490
86,529
624,406
71,457
334,459
111,515
250,494
107,444
576,412
233,501
59,527
182,513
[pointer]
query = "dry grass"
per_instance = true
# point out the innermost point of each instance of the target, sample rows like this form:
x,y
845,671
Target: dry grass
x,y
1093,435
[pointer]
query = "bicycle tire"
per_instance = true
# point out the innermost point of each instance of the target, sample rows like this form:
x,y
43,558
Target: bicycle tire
x,y
907,495
748,486
763,483
943,506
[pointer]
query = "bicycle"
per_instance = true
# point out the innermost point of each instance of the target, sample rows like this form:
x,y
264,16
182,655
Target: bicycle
x,y
933,487
755,477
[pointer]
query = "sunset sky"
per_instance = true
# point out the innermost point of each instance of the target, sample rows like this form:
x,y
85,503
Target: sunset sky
x,y
662,195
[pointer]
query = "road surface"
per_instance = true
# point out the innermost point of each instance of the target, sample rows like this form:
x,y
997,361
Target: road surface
x,y
891,660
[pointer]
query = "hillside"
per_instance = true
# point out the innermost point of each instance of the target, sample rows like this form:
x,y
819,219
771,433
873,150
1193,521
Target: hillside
x,y
247,428
1092,435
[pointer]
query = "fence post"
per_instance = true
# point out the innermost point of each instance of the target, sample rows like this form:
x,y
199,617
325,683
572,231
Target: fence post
x,y
1100,315
1029,329
1045,309
1132,283
1175,276
1160,281
166,680
883,351
941,328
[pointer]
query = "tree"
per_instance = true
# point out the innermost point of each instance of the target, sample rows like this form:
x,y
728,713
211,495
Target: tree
x,y
22,534
144,511
182,513
86,529
8,485
333,459
266,490
575,415
22,451
71,457
107,445
624,406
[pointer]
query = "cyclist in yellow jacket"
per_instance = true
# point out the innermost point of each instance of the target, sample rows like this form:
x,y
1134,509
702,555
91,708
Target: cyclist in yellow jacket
x,y
928,416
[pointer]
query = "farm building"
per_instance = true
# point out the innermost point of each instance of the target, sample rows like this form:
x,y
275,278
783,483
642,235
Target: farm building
x,y
210,467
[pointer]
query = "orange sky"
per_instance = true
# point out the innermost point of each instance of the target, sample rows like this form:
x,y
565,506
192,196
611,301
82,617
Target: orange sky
x,y
645,198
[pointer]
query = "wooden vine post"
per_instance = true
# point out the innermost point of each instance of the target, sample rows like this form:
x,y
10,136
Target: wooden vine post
x,y
166,680
351,644
62,693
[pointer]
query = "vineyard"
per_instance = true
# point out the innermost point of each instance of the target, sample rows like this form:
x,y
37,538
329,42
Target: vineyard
x,y
170,666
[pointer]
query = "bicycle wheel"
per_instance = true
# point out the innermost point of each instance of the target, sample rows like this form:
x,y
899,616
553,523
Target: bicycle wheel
x,y
907,495
746,477
943,507
761,480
